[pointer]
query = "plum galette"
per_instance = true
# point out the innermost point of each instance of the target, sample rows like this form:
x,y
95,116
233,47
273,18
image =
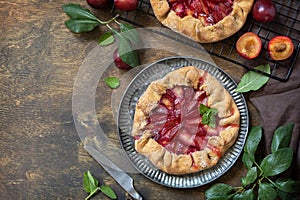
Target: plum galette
x,y
184,122
204,21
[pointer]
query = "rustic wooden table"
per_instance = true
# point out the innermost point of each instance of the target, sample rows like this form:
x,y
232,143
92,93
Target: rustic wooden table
x,y
41,154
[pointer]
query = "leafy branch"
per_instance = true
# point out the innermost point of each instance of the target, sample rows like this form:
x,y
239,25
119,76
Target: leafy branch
x,y
83,20
261,179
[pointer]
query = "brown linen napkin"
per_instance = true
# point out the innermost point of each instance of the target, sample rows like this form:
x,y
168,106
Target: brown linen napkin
x,y
279,104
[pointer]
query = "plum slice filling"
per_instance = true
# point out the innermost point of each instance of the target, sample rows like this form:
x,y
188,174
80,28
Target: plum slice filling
x,y
176,123
212,11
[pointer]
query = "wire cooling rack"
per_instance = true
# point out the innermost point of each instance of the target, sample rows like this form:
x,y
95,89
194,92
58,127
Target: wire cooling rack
x,y
286,22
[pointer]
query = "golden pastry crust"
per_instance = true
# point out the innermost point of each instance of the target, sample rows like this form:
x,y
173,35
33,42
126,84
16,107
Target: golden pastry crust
x,y
217,97
196,29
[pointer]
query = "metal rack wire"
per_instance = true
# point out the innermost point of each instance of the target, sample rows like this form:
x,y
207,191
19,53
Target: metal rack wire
x,y
286,22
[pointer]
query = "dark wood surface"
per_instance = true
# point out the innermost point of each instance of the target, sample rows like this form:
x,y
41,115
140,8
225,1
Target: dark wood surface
x,y
41,154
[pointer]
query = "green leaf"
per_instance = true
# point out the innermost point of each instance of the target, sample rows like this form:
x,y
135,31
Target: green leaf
x,y
127,54
106,39
250,177
246,195
75,11
90,183
253,80
282,137
266,191
252,141
108,191
218,190
248,162
129,32
81,26
277,162
208,115
288,185
287,196
204,109
112,82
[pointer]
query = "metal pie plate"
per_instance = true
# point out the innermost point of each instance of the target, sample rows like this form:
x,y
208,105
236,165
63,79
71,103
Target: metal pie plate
x,y
126,111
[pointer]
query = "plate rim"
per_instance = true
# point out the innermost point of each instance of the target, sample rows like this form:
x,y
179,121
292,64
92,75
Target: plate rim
x,y
246,113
